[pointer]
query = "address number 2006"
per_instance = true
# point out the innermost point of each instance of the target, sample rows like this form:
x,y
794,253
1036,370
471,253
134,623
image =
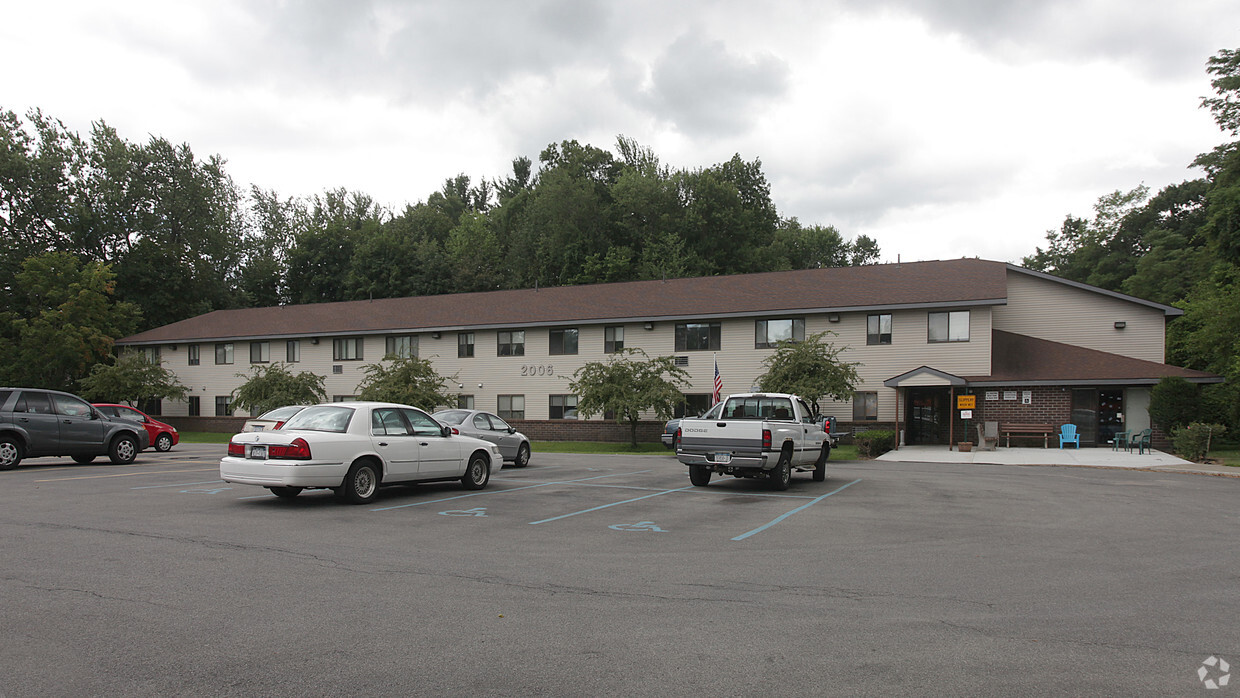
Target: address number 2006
x,y
547,370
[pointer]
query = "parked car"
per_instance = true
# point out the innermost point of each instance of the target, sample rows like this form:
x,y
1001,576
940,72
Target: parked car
x,y
513,445
163,436
36,422
271,419
669,433
353,448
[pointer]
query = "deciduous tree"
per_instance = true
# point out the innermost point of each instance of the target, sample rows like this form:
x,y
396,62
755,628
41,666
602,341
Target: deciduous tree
x,y
627,386
811,369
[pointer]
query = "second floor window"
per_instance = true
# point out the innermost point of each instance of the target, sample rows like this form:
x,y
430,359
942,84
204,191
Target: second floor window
x,y
347,349
563,341
512,343
260,352
613,339
224,353
292,351
402,347
193,354
769,333
465,345
698,336
878,329
949,327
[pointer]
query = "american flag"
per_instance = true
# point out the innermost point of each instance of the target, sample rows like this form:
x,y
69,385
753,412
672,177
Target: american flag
x,y
718,385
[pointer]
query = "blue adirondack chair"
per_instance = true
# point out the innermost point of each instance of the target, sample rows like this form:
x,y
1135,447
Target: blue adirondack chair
x,y
1068,435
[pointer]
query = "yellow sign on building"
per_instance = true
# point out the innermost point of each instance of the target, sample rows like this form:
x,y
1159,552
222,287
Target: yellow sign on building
x,y
966,402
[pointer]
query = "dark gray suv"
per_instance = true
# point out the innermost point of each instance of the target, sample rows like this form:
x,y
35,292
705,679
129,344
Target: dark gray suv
x,y
36,423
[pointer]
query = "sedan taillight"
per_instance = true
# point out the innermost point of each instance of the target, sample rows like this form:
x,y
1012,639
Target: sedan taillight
x,y
298,450
456,431
278,425
236,449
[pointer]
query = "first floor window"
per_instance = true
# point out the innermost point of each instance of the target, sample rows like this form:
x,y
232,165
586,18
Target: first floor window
x,y
224,353
613,339
563,407
153,406
698,336
260,352
221,406
878,329
193,355
465,345
865,407
769,333
511,406
292,350
949,327
464,402
512,343
695,404
402,347
347,349
195,406
563,341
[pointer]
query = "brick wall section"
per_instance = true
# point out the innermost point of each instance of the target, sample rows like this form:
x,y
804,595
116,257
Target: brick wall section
x,y
1048,405
537,430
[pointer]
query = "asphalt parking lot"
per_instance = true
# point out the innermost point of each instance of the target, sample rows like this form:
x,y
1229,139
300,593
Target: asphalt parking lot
x,y
611,575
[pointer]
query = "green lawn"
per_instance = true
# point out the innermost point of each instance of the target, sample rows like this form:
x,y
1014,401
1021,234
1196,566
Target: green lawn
x,y
1229,455
204,437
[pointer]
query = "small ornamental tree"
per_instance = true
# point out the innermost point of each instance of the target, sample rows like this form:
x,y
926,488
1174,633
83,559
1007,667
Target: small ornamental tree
x,y
408,381
811,369
273,386
131,379
626,386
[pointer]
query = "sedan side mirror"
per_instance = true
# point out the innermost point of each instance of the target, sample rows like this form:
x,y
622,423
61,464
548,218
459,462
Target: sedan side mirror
x,y
446,431
512,430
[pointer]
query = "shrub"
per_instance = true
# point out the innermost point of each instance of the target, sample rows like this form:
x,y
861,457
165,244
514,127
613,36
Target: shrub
x,y
1175,402
1193,441
871,444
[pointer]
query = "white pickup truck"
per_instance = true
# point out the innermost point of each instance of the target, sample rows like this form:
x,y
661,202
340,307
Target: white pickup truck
x,y
756,435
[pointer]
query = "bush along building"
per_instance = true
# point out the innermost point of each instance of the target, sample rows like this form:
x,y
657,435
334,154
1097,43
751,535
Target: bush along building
x,y
1021,346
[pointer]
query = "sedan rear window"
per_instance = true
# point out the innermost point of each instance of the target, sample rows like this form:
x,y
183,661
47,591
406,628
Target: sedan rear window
x,y
321,418
452,416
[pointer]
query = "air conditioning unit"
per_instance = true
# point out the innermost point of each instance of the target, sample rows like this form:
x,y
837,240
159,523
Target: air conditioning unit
x,y
681,361
337,368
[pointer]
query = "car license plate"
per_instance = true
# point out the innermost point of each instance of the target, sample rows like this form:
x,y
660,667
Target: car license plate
x,y
723,457
258,427
258,452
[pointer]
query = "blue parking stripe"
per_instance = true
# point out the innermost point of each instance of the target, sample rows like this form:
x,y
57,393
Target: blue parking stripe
x,y
183,484
513,489
605,506
785,515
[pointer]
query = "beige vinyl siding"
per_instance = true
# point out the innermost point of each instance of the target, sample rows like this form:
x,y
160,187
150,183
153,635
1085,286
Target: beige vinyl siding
x,y
1061,313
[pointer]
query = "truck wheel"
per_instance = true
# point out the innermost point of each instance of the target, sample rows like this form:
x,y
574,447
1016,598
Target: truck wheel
x,y
699,475
781,475
820,468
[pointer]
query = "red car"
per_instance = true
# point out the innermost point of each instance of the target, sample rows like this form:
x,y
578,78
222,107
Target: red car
x,y
163,436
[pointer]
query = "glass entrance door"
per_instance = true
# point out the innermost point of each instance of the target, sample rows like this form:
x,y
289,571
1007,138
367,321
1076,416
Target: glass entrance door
x,y
927,415
1097,414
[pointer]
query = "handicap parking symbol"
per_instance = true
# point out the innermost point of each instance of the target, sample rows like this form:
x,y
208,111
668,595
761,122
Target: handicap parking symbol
x,y
639,526
476,511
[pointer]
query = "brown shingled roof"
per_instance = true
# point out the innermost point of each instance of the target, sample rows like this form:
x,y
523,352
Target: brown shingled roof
x,y
961,281
1019,359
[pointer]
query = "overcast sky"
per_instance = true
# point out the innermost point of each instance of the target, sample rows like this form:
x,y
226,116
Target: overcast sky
x,y
941,128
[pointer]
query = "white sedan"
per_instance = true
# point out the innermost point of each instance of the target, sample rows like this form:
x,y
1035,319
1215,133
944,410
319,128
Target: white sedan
x,y
353,448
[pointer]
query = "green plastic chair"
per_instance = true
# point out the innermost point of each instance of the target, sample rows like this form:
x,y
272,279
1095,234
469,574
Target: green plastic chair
x,y
1121,440
1141,442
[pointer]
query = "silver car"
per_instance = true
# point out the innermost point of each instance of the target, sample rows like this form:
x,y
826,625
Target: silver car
x,y
513,445
272,419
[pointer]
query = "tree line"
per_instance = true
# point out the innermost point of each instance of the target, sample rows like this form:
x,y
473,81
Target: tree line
x,y
1179,247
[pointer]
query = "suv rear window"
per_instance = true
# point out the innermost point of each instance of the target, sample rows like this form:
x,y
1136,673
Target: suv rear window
x,y
4,397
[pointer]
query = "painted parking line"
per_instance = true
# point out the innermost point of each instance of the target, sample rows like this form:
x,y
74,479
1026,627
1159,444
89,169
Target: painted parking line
x,y
183,484
513,489
608,506
785,515
96,477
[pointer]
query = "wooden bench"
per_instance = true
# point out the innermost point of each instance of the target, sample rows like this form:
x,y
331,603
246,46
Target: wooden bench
x,y
1022,430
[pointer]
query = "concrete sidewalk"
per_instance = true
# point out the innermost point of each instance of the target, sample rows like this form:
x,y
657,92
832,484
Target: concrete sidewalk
x,y
1085,457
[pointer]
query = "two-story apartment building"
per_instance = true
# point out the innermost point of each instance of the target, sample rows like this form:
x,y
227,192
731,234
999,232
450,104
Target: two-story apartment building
x,y
1030,346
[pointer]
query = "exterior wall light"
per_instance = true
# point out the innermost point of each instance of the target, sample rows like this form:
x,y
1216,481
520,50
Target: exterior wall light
x,y
434,335
833,317
649,325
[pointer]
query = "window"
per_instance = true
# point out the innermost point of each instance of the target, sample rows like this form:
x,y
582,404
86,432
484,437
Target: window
x,y
698,336
768,333
402,347
465,345
153,406
563,341
195,406
878,329
465,402
292,350
347,349
613,339
193,355
260,352
949,327
512,343
224,353
563,407
221,406
511,406
70,406
695,404
151,354
865,407
388,421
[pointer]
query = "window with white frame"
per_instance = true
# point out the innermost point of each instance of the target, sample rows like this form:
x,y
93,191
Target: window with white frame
x,y
950,326
769,333
878,329
613,339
